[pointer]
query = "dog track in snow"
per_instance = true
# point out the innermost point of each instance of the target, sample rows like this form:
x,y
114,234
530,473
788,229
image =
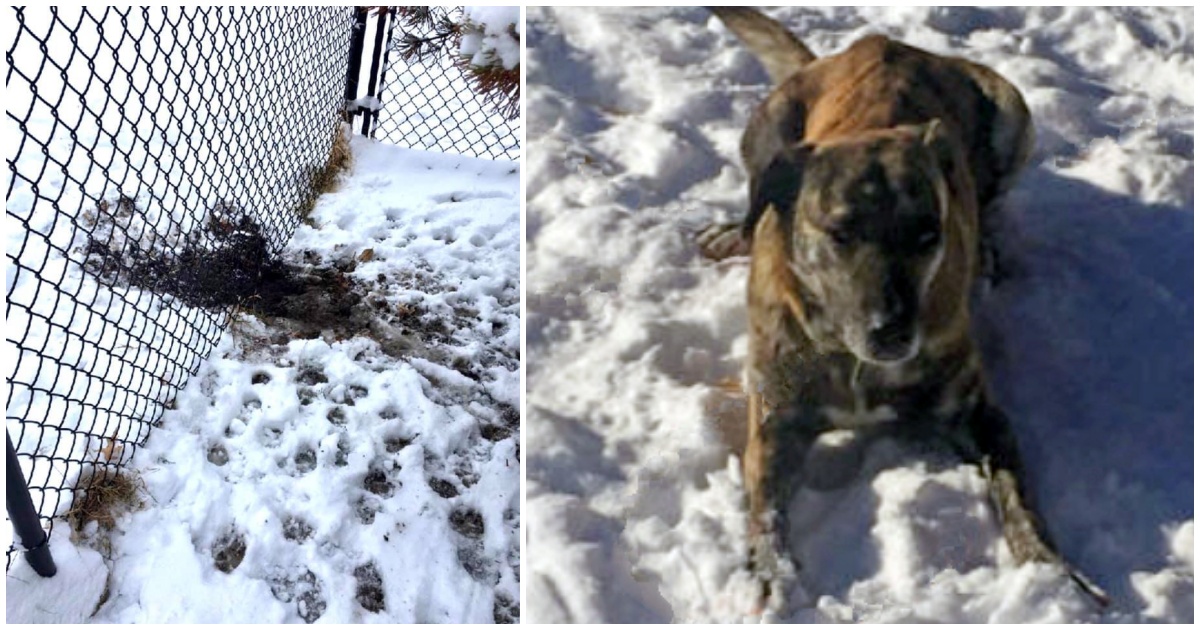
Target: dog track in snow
x,y
338,400
353,444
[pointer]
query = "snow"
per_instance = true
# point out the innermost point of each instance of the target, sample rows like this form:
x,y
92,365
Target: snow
x,y
488,41
365,102
633,500
1170,592
354,475
70,596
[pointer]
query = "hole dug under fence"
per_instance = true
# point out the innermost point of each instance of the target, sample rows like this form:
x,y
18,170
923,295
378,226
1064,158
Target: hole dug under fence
x,y
229,264
226,264
227,261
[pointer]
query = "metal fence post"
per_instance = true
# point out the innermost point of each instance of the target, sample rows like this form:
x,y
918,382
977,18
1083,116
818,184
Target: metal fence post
x,y
376,53
358,38
383,67
448,118
25,521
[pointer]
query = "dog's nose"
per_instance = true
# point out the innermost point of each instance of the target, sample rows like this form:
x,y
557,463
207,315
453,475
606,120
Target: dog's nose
x,y
890,336
892,311
889,328
891,320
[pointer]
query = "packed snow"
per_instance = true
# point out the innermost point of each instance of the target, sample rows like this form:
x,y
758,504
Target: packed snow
x,y
70,597
327,472
634,511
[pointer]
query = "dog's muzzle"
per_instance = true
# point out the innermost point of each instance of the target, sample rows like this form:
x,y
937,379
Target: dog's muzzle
x,y
891,340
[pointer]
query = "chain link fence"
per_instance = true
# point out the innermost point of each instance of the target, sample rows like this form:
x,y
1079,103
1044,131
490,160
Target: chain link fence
x,y
158,161
157,158
428,104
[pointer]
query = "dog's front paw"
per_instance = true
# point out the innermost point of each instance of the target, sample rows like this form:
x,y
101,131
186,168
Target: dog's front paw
x,y
719,241
773,572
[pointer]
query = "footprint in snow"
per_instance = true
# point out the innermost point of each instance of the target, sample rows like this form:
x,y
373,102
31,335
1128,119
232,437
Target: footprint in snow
x,y
456,197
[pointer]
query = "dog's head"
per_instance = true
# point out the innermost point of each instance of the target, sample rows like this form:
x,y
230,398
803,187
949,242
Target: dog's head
x,y
867,220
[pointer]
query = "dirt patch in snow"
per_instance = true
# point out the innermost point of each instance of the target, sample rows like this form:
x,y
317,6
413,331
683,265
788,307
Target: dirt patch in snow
x,y
229,264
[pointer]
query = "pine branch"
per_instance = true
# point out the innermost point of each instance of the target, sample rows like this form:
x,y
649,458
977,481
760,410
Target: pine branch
x,y
431,32
499,86
439,34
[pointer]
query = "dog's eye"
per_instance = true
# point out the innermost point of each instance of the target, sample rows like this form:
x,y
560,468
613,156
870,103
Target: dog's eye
x,y
926,238
841,235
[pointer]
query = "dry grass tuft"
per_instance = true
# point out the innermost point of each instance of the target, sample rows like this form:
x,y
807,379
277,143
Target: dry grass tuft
x,y
326,179
338,162
101,496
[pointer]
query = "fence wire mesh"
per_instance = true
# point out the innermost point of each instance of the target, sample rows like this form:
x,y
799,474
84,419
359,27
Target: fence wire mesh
x,y
428,104
156,158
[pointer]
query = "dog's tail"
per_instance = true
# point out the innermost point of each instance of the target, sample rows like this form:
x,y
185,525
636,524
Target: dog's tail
x,y
776,47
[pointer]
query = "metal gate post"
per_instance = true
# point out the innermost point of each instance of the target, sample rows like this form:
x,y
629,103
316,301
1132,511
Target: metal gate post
x,y
376,53
358,37
384,67
25,521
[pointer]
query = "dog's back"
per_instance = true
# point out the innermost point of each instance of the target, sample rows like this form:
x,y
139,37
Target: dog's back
x,y
876,83
879,83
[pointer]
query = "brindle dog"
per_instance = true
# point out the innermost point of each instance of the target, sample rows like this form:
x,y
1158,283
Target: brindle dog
x,y
870,171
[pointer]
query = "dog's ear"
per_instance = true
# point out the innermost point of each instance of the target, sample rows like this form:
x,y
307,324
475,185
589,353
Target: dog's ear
x,y
778,185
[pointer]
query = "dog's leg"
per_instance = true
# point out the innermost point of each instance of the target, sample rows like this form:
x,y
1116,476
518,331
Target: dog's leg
x,y
1024,531
776,448
764,526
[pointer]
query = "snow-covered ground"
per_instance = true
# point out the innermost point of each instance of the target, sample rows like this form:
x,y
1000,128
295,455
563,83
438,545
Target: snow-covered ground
x,y
107,103
633,507
357,471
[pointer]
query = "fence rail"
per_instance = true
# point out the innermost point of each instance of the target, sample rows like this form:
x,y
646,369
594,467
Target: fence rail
x,y
163,156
